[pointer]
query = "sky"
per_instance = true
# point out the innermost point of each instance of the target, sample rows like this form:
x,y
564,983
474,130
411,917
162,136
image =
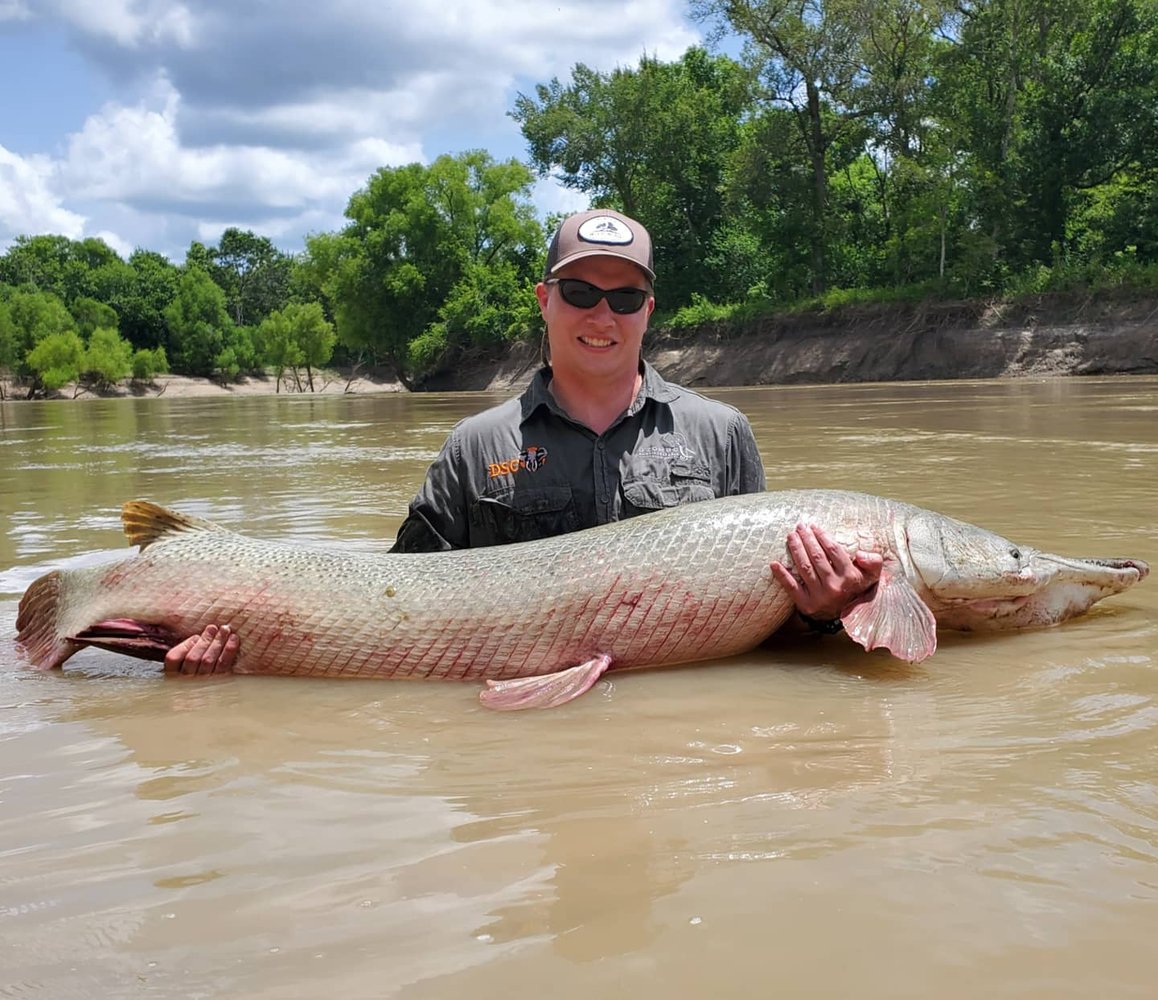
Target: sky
x,y
154,123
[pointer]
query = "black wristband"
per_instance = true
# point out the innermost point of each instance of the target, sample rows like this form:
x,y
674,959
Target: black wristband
x,y
824,626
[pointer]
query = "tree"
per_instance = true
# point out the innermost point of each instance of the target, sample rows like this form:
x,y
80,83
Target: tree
x,y
108,357
813,62
56,360
91,315
37,261
67,268
297,336
35,316
314,335
1053,98
238,353
253,273
277,345
148,363
654,141
414,230
197,323
8,356
141,308
486,307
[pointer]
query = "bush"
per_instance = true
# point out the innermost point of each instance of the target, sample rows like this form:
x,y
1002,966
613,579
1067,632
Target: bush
x,y
57,359
701,312
108,357
149,363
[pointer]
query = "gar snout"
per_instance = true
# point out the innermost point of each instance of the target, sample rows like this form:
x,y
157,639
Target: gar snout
x,y
1123,564
1112,574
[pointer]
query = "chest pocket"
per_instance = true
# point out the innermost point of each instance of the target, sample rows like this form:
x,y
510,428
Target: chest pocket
x,y
521,515
685,482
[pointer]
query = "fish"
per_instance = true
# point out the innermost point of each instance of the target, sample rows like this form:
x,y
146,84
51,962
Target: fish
x,y
541,621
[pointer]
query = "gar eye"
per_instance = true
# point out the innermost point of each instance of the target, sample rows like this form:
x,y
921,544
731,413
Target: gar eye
x,y
1016,553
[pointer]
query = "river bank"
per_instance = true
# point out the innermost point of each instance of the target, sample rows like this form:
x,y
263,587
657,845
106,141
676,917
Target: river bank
x,y
1046,336
179,386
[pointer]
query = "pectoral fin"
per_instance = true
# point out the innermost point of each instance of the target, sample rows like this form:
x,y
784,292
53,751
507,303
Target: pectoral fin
x,y
894,618
546,690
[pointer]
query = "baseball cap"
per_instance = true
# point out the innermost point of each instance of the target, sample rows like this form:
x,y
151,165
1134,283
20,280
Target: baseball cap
x,y
600,233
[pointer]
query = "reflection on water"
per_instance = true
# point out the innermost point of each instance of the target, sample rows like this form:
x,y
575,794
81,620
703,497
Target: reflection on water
x,y
809,819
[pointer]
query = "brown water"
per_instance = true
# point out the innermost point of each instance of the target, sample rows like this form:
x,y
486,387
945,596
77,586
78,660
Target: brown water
x,y
808,820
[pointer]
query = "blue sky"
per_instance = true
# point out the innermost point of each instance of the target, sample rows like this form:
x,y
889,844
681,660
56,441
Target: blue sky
x,y
152,123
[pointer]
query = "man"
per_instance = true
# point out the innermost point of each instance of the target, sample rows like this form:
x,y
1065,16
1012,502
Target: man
x,y
597,436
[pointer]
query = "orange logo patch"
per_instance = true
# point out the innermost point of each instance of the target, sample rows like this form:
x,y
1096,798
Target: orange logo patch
x,y
531,459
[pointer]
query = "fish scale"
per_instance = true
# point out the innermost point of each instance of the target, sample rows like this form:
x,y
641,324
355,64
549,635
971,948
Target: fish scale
x,y
680,585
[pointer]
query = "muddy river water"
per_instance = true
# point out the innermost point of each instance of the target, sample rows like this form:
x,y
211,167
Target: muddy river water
x,y
807,820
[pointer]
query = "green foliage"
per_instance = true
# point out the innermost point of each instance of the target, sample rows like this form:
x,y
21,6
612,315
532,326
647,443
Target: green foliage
x,y
277,344
56,360
238,353
142,305
252,272
68,269
33,317
313,334
297,336
700,312
1048,99
108,358
426,350
415,232
198,324
8,352
91,315
148,363
654,141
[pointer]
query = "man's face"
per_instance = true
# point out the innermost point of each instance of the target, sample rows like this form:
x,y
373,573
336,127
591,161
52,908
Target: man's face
x,y
595,343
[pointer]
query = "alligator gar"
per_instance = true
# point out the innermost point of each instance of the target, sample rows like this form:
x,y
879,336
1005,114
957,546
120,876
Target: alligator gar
x,y
541,621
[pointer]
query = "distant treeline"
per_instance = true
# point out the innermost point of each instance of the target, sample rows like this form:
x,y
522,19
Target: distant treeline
x,y
858,149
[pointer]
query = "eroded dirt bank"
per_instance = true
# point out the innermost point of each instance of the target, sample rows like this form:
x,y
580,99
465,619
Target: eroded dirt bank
x,y
1059,335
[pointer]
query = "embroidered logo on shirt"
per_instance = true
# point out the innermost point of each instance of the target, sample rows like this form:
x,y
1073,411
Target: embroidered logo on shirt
x,y
532,458
667,446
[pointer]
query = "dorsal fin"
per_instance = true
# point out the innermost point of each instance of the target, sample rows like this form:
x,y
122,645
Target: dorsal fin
x,y
146,522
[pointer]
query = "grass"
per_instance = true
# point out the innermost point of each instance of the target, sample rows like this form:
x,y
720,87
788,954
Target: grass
x,y
1124,276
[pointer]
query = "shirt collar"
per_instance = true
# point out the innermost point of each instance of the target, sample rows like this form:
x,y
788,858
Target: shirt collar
x,y
654,387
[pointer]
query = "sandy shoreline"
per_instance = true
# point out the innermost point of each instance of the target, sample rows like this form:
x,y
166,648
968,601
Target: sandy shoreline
x,y
182,386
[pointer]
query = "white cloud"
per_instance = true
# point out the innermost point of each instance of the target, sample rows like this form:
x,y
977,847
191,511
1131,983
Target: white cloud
x,y
131,23
134,155
14,10
28,204
269,116
113,240
551,198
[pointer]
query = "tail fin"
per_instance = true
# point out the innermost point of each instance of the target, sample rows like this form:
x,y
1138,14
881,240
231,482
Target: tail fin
x,y
146,522
37,628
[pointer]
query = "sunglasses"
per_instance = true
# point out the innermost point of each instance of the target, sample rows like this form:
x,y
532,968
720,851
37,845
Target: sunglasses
x,y
584,295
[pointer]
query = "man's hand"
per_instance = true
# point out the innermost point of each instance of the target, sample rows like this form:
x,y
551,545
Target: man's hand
x,y
827,580
212,652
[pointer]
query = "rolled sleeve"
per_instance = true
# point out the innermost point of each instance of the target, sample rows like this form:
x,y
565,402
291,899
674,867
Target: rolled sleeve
x,y
438,516
745,467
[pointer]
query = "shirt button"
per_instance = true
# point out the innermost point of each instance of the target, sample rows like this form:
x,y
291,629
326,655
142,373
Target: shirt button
x,y
604,498
599,445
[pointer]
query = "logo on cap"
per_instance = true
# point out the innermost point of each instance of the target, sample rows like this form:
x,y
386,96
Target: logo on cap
x,y
605,229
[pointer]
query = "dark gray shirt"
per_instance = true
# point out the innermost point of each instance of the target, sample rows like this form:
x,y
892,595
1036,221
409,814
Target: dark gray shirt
x,y
524,469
